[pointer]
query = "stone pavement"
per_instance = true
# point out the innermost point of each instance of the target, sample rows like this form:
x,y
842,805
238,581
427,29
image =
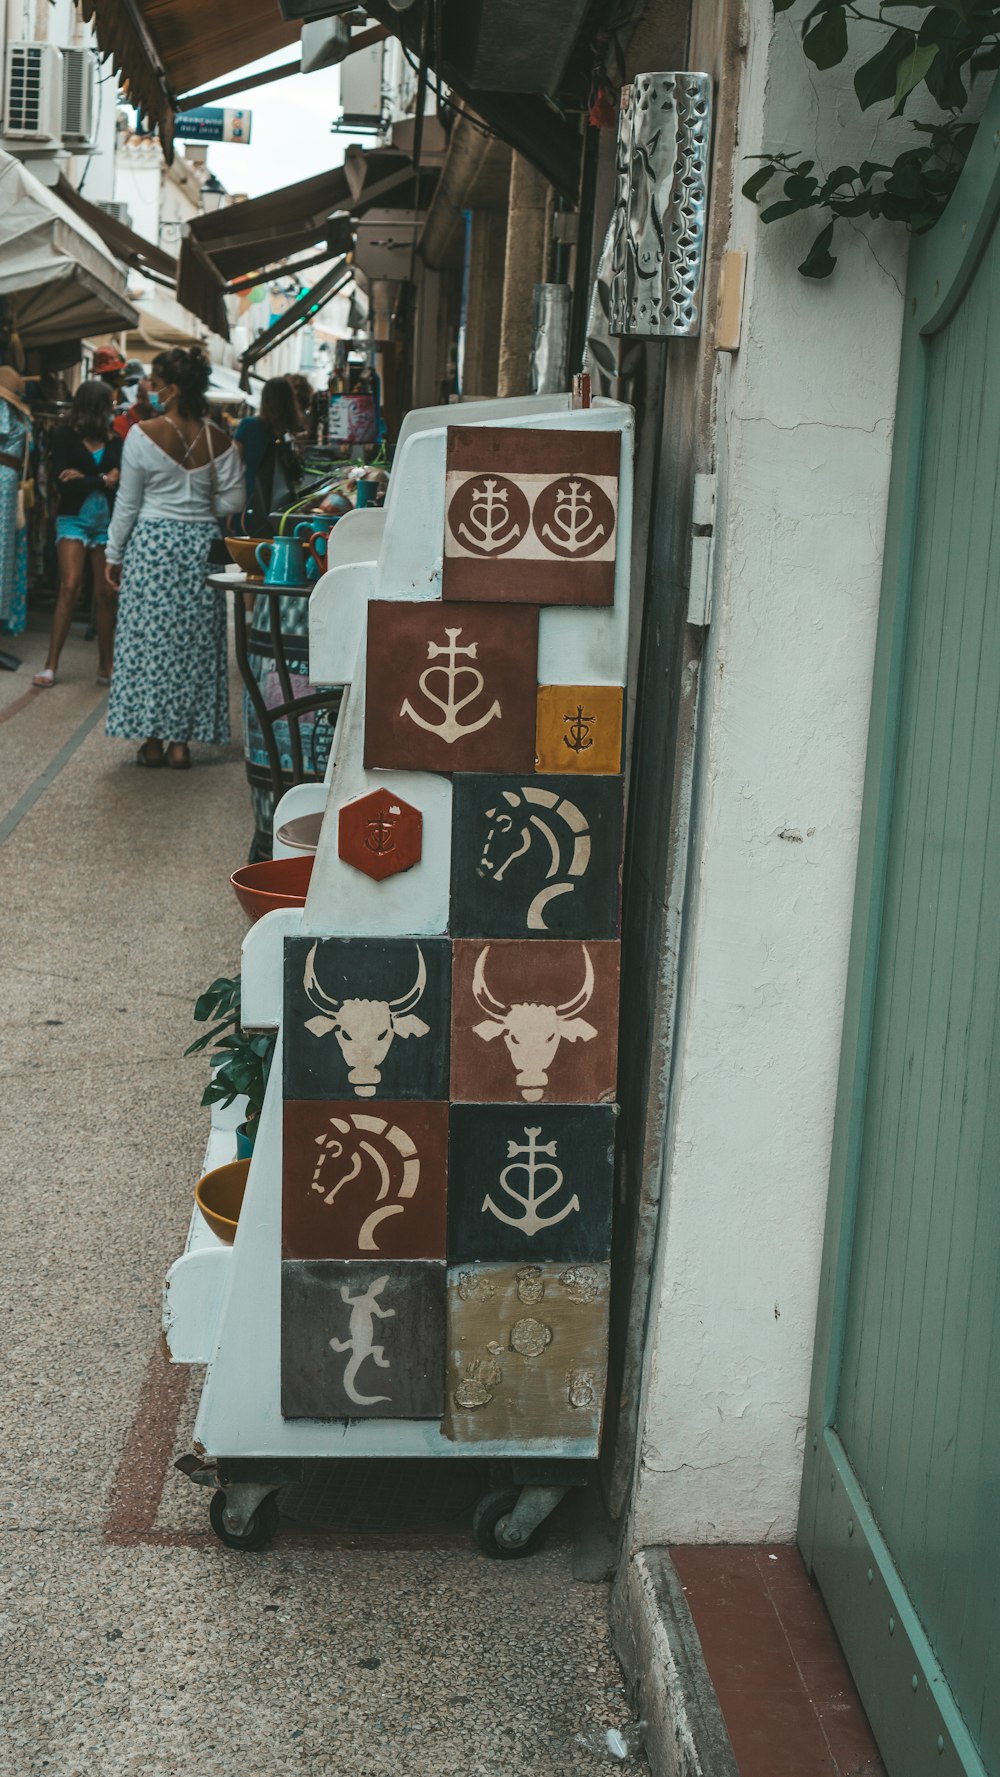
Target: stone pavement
x,y
130,1640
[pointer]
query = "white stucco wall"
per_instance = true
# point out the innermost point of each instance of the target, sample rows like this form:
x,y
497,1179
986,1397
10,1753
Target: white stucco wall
x,y
804,441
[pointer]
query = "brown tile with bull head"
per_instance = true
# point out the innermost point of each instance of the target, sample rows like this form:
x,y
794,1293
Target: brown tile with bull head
x,y
450,687
527,1352
366,1017
531,515
534,1023
364,1182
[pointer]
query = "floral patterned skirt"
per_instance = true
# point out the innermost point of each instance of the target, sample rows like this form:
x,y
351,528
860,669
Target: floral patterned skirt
x,y
170,676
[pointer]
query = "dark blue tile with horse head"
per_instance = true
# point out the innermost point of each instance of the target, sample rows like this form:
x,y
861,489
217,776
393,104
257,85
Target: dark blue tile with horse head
x,y
367,1017
536,857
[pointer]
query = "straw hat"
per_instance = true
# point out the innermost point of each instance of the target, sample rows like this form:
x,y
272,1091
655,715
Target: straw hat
x,y
12,388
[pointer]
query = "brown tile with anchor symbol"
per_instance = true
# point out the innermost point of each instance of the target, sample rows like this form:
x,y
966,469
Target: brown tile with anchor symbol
x,y
534,1023
531,515
450,687
579,728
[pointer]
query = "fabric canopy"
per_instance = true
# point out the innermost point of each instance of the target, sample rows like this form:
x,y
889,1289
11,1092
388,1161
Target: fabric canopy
x,y
164,48
127,246
243,237
299,313
56,275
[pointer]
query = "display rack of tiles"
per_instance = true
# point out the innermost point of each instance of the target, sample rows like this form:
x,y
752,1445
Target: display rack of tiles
x,y
449,1101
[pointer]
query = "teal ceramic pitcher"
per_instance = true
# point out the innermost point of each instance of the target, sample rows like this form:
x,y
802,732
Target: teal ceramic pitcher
x,y
283,561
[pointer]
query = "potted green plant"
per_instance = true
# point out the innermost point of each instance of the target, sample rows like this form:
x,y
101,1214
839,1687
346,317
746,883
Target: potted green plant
x,y
243,1057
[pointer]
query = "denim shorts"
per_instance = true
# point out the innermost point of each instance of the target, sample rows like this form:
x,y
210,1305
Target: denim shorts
x,y
90,525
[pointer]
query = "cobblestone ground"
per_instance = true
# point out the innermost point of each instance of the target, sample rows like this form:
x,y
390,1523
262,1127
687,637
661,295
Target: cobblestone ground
x,y
130,1640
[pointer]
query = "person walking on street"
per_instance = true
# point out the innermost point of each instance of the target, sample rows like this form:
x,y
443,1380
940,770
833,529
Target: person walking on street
x,y
15,450
86,462
270,462
134,399
180,475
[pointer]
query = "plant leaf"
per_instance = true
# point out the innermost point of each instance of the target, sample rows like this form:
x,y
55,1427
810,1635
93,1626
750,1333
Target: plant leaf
x,y
876,79
911,71
819,261
825,43
757,181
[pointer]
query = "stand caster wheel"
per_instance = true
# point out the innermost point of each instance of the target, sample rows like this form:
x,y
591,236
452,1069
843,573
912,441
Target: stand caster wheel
x,y
487,1515
260,1526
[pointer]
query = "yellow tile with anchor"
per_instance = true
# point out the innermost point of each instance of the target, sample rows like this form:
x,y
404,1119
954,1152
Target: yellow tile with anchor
x,y
579,728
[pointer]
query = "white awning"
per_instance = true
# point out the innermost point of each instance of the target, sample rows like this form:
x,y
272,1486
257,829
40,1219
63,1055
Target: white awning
x,y
57,278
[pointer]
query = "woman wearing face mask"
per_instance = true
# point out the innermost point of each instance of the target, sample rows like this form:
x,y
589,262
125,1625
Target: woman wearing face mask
x,y
180,475
86,458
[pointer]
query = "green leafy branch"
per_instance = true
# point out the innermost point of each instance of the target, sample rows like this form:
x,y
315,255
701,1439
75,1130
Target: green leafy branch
x,y
245,1057
955,41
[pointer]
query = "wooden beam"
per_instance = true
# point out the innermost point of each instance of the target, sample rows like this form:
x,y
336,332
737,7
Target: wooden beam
x,y
531,126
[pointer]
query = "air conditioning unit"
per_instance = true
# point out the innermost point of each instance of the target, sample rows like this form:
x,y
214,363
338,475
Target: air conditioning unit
x,y
33,99
118,212
79,124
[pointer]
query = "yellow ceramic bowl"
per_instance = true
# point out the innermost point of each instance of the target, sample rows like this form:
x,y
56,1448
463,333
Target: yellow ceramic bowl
x,y
244,553
219,1196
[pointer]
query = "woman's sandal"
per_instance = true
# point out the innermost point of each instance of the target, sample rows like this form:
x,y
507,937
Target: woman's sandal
x,y
146,757
44,680
184,762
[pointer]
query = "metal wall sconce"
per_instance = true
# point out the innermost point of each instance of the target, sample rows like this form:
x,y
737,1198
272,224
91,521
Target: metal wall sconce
x,y
661,205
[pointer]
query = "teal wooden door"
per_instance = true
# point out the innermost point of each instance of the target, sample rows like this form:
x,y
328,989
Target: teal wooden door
x,y
900,1517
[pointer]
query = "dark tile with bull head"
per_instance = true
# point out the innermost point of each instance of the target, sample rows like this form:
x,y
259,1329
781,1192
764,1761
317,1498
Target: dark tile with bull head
x,y
362,1341
366,1017
360,1180
531,515
536,857
527,1183
450,687
534,1023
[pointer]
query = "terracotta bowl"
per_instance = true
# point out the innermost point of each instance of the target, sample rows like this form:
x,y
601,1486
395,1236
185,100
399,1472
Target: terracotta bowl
x,y
278,882
244,553
302,833
219,1196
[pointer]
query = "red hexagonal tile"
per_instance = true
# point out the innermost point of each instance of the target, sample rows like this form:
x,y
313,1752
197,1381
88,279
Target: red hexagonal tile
x,y
380,834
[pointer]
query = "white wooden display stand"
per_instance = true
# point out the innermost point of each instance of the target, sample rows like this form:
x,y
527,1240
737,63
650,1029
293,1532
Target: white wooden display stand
x,y
222,1304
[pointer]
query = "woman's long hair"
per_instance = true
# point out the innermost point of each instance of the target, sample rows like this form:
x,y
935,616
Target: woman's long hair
x,y
189,370
278,407
90,414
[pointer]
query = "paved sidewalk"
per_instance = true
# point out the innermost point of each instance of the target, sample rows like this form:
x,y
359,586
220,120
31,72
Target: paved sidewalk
x,y
130,1640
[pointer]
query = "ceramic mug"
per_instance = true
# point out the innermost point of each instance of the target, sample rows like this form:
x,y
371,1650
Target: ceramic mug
x,y
314,548
283,561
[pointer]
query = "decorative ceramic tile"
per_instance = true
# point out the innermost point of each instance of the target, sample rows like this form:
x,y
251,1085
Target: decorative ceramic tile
x,y
366,1016
579,728
531,515
527,1352
362,1341
450,687
536,857
527,1184
356,1182
380,834
534,1023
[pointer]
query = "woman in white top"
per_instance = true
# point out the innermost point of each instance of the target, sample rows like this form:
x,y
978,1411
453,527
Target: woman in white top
x,y
179,476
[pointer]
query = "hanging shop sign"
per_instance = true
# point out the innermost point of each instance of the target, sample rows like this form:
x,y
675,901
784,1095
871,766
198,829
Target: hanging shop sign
x,y
212,123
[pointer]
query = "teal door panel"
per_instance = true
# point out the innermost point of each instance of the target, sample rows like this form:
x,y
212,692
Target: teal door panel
x,y
902,1485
